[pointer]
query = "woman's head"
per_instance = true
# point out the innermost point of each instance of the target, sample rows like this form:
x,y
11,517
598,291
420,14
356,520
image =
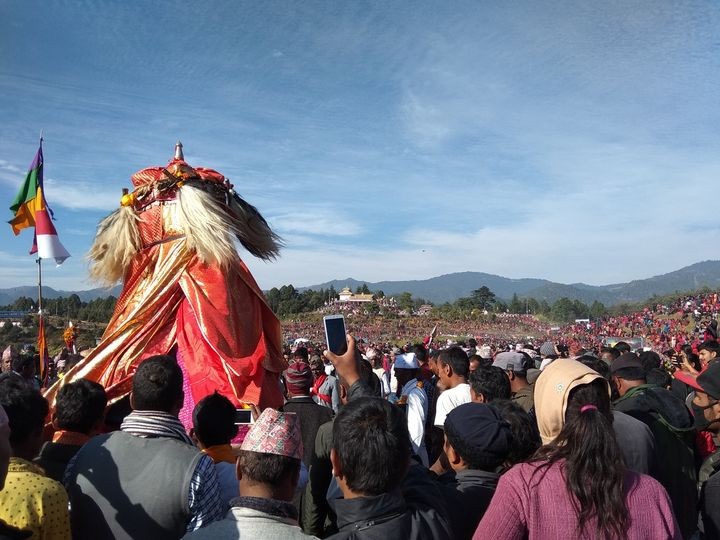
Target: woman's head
x,y
552,393
593,464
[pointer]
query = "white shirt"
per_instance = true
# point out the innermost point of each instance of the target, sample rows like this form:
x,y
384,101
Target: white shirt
x,y
450,399
417,409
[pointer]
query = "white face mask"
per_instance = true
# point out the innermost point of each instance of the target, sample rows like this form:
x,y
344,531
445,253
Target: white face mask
x,y
328,369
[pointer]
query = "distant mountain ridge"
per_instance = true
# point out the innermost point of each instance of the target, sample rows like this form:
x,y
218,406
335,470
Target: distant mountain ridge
x,y
8,296
450,287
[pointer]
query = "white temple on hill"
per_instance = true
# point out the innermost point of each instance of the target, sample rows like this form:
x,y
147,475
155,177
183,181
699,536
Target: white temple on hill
x,y
346,295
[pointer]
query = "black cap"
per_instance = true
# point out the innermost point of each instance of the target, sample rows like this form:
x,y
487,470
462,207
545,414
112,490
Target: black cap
x,y
626,360
709,380
480,426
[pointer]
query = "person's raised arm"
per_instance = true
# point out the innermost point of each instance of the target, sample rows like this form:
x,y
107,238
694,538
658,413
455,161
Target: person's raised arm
x,y
346,365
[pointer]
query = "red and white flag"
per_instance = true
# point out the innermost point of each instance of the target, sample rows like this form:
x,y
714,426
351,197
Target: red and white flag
x,y
46,243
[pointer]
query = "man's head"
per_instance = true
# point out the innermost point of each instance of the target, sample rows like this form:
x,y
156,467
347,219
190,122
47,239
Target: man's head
x,y
547,350
406,368
622,347
269,461
26,410
298,379
708,351
80,407
317,366
453,366
488,384
476,437
214,421
516,365
433,362
627,372
474,362
706,402
301,353
420,353
8,355
524,429
158,385
609,354
371,447
24,364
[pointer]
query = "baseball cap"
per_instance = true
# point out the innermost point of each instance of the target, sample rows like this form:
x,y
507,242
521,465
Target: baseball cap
x,y
513,361
707,381
626,360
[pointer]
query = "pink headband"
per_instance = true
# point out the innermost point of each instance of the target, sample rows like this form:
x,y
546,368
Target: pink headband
x,y
588,408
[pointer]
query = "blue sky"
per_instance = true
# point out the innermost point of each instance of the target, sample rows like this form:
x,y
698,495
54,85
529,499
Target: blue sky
x,y
574,141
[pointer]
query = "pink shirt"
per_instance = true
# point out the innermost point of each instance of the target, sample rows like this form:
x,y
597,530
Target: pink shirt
x,y
539,506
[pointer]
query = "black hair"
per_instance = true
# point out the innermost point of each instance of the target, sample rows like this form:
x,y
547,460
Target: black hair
x,y
25,407
631,374
623,347
20,362
472,342
372,444
301,352
214,420
475,457
79,406
694,360
457,359
271,469
368,377
593,463
492,382
525,435
420,352
596,365
659,377
611,350
710,346
650,360
157,384
482,362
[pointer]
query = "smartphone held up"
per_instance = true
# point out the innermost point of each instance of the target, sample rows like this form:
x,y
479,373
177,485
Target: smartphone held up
x,y
335,333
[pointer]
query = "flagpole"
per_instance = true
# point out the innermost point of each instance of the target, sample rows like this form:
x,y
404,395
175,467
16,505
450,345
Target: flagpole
x,y
39,263
41,329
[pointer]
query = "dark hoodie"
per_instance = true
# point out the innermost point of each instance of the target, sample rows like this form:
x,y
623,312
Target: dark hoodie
x,y
672,426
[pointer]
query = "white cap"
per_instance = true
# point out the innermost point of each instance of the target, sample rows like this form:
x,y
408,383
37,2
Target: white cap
x,y
406,361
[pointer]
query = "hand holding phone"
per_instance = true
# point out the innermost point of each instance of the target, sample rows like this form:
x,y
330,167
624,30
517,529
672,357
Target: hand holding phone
x,y
347,364
335,333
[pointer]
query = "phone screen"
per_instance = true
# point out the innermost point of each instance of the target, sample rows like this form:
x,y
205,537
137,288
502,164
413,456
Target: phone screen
x,y
335,334
243,416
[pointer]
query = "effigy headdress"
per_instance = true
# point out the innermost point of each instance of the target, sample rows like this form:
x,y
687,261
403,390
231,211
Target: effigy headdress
x,y
208,209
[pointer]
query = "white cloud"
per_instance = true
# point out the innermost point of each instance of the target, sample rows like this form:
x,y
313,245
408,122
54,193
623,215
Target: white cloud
x,y
83,195
316,221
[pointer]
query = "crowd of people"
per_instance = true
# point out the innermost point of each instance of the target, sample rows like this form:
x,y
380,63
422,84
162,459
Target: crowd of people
x,y
551,434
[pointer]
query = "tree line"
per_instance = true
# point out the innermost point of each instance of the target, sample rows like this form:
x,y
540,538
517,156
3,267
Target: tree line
x,y
70,307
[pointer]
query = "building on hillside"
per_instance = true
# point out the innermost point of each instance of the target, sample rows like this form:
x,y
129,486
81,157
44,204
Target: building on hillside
x,y
425,309
346,295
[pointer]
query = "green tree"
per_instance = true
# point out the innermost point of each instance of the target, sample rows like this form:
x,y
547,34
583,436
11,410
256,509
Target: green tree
x,y
597,310
483,298
405,300
516,306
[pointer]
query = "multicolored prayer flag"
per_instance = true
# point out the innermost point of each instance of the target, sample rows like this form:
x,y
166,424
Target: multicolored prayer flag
x,y
30,198
31,210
